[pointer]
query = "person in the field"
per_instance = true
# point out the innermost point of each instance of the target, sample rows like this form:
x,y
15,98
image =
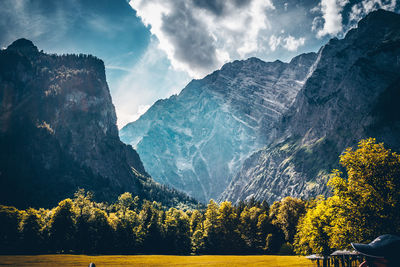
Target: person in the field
x,y
384,251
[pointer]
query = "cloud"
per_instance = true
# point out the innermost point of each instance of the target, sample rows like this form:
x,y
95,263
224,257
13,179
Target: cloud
x,y
150,79
332,17
23,18
338,16
185,33
290,43
274,42
198,36
359,10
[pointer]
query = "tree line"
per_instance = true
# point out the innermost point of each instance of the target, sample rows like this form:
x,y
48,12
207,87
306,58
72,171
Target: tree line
x,y
129,226
364,204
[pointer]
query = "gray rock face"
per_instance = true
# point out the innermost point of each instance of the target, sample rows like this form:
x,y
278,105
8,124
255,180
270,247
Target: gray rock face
x,y
196,141
58,131
352,93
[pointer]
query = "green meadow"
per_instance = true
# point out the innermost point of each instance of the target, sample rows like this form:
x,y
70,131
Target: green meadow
x,y
153,260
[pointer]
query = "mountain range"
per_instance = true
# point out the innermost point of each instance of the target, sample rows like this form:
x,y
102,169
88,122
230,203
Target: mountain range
x,y
352,93
266,130
197,140
252,129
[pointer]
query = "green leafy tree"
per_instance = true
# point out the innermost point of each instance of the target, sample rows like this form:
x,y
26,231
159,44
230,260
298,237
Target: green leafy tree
x,y
196,221
264,227
177,231
127,202
369,193
125,227
249,227
83,205
364,205
82,200
62,227
286,214
150,230
315,228
197,232
229,236
274,240
212,228
9,235
30,227
99,230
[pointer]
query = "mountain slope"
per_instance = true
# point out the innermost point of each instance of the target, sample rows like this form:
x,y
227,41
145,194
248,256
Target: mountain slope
x,y
352,93
196,141
58,132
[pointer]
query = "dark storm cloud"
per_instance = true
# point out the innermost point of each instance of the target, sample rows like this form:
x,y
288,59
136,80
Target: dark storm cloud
x,y
200,35
193,45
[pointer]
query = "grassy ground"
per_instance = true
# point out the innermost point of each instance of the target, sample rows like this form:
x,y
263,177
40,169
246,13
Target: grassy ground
x,y
153,260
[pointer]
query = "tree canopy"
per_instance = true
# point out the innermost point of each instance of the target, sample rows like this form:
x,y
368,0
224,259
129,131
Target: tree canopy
x,y
364,205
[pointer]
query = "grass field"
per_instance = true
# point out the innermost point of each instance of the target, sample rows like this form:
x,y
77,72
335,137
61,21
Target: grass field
x,y
153,260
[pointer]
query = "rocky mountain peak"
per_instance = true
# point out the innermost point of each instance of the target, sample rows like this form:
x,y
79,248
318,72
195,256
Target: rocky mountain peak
x,y
58,132
379,18
350,94
23,46
197,140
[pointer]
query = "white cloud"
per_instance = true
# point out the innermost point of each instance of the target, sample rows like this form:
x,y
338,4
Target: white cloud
x,y
358,11
274,42
199,36
147,81
331,13
331,21
290,43
317,23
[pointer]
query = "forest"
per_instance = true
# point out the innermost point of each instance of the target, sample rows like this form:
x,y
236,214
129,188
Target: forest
x,y
364,203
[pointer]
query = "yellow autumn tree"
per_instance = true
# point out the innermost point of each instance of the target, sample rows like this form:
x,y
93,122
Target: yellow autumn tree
x,y
369,194
364,205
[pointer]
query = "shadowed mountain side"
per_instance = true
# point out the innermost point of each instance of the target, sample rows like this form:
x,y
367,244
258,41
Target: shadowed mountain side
x,y
58,132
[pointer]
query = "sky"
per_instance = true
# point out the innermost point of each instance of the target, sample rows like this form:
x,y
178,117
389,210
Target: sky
x,y
153,48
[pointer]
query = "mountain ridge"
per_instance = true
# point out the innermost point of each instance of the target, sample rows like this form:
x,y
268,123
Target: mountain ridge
x,y
58,132
215,122
344,100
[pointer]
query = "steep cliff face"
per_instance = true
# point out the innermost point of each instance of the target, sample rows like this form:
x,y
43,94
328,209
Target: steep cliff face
x,y
58,130
197,140
352,93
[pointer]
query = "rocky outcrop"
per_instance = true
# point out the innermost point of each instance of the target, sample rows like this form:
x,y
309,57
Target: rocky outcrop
x,y
352,93
58,131
197,140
